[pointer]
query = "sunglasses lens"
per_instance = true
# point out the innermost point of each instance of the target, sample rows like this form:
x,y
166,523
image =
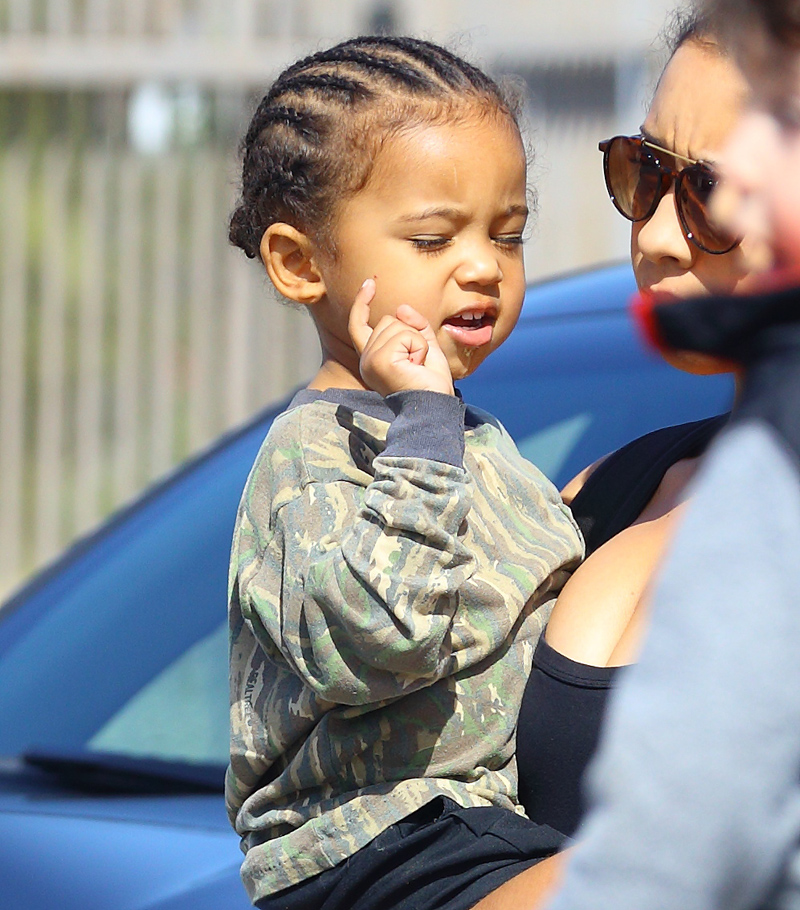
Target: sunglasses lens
x,y
633,177
694,190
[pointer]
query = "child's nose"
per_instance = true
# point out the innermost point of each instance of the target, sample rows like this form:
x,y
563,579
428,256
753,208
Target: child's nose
x,y
480,265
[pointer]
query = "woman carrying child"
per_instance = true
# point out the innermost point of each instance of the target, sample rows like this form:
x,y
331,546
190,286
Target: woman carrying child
x,y
705,730
629,504
395,558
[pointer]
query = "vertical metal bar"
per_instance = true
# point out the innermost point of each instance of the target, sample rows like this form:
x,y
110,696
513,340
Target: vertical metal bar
x,y
58,17
164,319
97,17
242,18
88,403
20,17
13,343
126,423
134,17
206,234
49,452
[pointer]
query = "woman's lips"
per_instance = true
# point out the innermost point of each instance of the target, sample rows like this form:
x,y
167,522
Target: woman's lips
x,y
471,329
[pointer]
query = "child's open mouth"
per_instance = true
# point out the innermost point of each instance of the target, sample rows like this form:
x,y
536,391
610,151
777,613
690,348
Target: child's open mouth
x,y
471,329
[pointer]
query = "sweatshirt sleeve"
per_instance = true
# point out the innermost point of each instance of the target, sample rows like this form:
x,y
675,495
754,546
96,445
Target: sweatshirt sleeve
x,y
354,580
695,792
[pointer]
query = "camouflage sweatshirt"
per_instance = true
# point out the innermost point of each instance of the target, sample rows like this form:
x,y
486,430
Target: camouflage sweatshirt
x,y
394,562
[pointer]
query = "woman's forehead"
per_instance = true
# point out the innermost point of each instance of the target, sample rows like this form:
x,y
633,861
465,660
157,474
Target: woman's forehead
x,y
699,98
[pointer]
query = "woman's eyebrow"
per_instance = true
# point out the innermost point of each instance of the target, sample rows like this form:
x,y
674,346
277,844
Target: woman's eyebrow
x,y
649,137
659,146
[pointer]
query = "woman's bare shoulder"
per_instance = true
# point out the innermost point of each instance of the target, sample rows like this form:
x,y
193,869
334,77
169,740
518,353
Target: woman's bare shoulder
x,y
574,486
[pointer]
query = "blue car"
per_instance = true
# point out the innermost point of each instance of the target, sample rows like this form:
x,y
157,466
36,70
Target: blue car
x,y
113,662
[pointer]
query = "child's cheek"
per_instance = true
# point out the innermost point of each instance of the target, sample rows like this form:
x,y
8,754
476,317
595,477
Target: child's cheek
x,y
383,304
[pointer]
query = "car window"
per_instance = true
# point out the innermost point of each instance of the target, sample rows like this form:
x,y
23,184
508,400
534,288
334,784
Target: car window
x,y
180,714
552,447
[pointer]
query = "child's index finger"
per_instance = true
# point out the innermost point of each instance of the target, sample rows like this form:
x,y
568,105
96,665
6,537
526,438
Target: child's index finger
x,y
413,318
358,321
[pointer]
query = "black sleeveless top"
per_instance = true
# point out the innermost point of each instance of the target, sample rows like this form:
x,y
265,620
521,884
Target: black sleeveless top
x,y
563,704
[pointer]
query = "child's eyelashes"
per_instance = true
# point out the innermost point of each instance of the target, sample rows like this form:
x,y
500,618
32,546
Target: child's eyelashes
x,y
430,244
510,240
438,244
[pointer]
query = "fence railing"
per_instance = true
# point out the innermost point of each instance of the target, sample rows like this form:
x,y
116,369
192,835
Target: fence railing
x,y
130,335
247,20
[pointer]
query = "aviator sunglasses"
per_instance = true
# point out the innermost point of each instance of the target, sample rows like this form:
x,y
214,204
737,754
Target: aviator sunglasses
x,y
637,181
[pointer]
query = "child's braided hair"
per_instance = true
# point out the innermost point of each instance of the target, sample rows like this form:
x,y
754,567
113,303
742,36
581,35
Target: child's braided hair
x,y
315,134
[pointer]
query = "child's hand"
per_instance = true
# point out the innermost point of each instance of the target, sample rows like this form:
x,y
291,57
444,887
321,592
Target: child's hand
x,y
401,353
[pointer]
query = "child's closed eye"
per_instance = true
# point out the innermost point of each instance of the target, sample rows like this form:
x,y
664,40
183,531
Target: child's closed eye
x,y
430,244
510,240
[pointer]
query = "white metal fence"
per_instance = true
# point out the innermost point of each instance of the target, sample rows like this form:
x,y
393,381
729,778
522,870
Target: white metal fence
x,y
130,333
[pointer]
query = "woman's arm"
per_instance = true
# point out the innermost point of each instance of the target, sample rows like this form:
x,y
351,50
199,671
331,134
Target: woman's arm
x,y
530,889
696,785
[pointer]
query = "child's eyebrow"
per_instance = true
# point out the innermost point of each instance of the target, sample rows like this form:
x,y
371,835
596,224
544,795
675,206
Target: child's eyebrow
x,y
433,212
516,209
450,212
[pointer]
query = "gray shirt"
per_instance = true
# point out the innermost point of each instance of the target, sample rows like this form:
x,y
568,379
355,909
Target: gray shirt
x,y
696,787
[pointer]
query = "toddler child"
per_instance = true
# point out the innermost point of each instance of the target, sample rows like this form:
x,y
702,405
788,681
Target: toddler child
x,y
394,557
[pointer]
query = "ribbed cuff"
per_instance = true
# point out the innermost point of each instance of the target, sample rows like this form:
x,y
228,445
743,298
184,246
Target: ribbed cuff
x,y
426,425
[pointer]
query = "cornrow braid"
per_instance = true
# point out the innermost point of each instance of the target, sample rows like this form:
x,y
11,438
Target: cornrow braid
x,y
314,137
328,84
397,70
451,69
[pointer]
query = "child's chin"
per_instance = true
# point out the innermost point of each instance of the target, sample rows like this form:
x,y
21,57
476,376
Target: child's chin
x,y
468,362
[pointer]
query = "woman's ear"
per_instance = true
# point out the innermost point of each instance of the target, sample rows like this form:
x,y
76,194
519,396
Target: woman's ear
x,y
291,262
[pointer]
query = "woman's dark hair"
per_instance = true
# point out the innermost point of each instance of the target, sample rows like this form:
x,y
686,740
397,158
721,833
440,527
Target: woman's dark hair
x,y
314,137
780,19
686,24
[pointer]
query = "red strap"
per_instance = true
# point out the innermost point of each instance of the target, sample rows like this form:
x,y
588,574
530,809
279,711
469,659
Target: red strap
x,y
641,308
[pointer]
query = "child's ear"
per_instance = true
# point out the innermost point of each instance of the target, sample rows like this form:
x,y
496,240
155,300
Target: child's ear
x,y
291,262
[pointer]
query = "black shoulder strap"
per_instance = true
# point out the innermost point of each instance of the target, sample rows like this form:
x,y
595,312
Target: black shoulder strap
x,y
621,486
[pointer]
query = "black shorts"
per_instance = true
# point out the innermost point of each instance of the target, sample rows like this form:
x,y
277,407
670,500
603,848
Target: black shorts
x,y
442,857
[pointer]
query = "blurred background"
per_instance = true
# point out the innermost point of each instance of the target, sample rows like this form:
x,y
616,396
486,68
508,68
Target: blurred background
x,y
130,334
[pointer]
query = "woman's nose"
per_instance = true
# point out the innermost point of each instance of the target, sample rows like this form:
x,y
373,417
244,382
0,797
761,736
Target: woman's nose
x,y
661,236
